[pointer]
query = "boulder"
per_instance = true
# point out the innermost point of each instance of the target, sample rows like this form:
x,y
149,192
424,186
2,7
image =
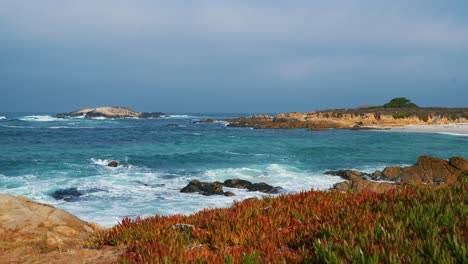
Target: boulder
x,y
357,184
23,218
243,184
428,169
69,194
346,174
113,164
204,188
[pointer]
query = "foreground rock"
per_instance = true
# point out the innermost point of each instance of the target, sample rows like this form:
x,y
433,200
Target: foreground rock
x,y
216,188
113,164
109,112
427,170
33,232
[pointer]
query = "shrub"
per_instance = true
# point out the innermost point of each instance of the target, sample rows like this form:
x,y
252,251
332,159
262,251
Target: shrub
x,y
399,102
407,225
399,115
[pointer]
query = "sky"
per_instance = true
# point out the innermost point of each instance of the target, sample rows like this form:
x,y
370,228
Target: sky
x,y
231,56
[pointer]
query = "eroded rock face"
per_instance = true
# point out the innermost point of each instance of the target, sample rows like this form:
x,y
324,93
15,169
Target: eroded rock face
x,y
357,184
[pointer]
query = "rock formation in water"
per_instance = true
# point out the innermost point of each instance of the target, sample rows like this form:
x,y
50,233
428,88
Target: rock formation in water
x,y
216,188
427,171
109,112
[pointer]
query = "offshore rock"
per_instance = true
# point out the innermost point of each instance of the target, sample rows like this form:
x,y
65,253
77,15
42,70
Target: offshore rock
x,y
109,112
243,184
113,164
68,195
204,188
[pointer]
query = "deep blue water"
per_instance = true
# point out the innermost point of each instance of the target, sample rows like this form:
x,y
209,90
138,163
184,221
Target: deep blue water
x,y
40,154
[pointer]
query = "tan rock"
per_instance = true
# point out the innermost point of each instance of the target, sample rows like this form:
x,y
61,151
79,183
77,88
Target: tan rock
x,y
33,232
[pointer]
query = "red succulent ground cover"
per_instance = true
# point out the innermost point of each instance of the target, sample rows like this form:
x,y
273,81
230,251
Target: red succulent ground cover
x,y
409,225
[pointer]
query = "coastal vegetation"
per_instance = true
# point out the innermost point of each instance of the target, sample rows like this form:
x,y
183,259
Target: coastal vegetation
x,y
411,224
399,102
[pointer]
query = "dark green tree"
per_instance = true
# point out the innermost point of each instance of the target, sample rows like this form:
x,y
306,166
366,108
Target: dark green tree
x,y
399,102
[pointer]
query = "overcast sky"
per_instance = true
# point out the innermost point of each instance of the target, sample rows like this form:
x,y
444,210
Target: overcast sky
x,y
231,56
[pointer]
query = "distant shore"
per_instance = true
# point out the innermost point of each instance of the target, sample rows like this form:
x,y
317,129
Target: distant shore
x,y
451,128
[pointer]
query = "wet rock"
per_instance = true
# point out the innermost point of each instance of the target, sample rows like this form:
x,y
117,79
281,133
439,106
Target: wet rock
x,y
152,115
172,125
243,184
229,194
209,121
113,164
69,194
346,174
204,188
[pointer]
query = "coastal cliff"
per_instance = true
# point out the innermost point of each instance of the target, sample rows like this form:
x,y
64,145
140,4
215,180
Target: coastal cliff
x,y
110,112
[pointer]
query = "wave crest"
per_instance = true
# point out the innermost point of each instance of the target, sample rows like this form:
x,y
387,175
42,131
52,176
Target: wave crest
x,y
38,118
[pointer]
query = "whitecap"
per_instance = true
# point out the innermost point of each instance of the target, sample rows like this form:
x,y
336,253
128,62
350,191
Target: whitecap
x,y
38,118
453,134
178,116
102,162
2,118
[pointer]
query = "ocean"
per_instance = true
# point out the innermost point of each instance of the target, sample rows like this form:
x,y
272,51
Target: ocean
x,y
40,154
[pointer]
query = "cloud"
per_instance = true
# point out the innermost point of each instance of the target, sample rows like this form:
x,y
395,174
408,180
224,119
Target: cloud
x,y
247,22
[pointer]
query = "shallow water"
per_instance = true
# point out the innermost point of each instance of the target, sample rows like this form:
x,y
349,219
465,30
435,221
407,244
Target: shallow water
x,y
40,154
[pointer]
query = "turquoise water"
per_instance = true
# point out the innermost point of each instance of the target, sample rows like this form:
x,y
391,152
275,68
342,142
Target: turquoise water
x,y
40,155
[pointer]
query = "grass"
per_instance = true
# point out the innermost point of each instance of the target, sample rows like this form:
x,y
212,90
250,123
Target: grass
x,y
408,225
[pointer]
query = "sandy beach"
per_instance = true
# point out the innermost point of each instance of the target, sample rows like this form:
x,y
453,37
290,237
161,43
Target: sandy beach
x,y
453,128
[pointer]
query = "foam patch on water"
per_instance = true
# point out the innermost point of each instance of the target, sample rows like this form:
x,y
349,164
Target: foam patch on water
x,y
2,118
290,178
179,116
453,134
39,118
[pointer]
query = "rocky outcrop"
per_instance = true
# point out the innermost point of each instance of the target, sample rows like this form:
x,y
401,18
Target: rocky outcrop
x,y
216,188
204,188
109,112
255,187
30,231
427,170
357,118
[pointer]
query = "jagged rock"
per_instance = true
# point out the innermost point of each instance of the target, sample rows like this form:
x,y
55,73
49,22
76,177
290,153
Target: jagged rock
x,y
346,174
459,162
357,184
113,164
243,184
204,188
428,169
69,194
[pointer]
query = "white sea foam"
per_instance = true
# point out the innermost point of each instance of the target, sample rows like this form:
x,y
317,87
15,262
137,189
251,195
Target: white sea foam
x,y
2,118
39,118
179,116
453,134
102,162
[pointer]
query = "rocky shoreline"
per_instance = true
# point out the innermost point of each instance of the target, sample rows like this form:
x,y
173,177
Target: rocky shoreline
x,y
32,231
358,118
